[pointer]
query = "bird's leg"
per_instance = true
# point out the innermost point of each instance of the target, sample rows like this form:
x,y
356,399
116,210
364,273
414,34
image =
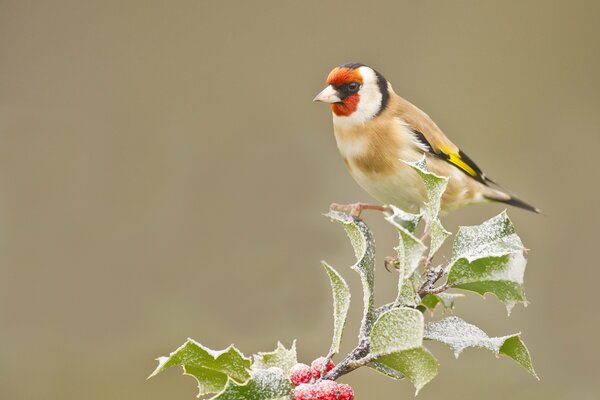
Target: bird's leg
x,y
357,208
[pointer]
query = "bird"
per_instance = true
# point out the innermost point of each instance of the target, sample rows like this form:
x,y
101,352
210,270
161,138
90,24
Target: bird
x,y
378,132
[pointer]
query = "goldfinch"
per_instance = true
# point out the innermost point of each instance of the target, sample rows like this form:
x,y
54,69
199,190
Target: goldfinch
x,y
376,130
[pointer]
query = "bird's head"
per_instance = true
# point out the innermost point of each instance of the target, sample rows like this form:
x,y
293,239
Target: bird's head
x,y
357,93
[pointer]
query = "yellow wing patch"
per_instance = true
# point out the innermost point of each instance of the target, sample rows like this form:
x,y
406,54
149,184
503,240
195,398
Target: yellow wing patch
x,y
458,161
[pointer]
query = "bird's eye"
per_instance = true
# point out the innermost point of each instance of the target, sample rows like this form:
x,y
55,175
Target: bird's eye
x,y
353,86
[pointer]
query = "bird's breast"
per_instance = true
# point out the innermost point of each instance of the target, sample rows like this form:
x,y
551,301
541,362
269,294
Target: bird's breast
x,y
373,153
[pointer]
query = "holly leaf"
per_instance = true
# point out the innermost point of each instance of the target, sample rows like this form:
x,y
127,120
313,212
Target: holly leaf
x,y
417,364
263,385
212,369
278,358
410,250
460,335
341,304
396,330
490,258
364,250
434,187
447,300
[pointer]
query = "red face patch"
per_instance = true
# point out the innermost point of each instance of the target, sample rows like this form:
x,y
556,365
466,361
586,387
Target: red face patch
x,y
339,77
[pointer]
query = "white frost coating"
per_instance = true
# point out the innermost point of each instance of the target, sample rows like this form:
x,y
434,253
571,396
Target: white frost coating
x,y
435,186
263,385
494,237
341,304
279,358
410,249
459,335
364,250
397,330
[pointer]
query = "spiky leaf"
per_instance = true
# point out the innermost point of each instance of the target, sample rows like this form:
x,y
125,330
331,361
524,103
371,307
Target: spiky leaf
x,y
410,250
212,369
459,335
279,358
417,364
431,301
341,304
263,385
434,187
489,258
364,250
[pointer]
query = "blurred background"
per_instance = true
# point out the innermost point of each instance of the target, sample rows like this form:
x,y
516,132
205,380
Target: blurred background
x,y
163,172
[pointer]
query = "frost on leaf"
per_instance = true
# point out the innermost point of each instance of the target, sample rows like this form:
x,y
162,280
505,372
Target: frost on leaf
x,y
434,187
459,335
263,385
396,330
409,250
417,364
364,249
279,358
212,369
490,258
341,304
430,301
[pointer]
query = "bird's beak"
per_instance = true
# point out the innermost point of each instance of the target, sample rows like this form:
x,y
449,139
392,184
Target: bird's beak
x,y
328,95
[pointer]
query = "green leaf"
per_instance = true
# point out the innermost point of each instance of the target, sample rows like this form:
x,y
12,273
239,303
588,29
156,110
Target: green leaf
x,y
459,335
364,249
514,348
263,385
408,296
434,187
279,358
493,238
396,330
417,364
490,258
410,250
212,369
341,304
431,301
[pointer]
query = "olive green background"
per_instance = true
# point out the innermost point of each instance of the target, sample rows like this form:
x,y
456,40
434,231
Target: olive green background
x,y
163,172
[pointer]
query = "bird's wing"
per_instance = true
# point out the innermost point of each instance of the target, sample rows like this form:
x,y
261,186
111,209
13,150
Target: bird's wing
x,y
433,139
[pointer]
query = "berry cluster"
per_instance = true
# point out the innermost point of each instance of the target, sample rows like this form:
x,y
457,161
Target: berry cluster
x,y
309,387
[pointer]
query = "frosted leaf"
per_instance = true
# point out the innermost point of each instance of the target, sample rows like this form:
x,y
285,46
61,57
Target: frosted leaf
x,y
459,335
401,219
434,187
396,330
341,304
364,250
408,296
501,276
417,364
280,358
263,385
490,258
212,369
410,249
494,237
447,300
385,370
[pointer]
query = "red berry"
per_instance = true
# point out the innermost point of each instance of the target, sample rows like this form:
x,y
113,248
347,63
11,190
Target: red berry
x,y
300,373
304,391
317,367
346,392
326,390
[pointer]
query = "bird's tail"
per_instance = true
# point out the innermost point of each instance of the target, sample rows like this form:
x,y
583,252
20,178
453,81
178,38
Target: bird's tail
x,y
506,198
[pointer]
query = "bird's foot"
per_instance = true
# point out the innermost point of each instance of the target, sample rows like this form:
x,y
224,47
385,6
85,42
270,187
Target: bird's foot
x,y
357,208
391,262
